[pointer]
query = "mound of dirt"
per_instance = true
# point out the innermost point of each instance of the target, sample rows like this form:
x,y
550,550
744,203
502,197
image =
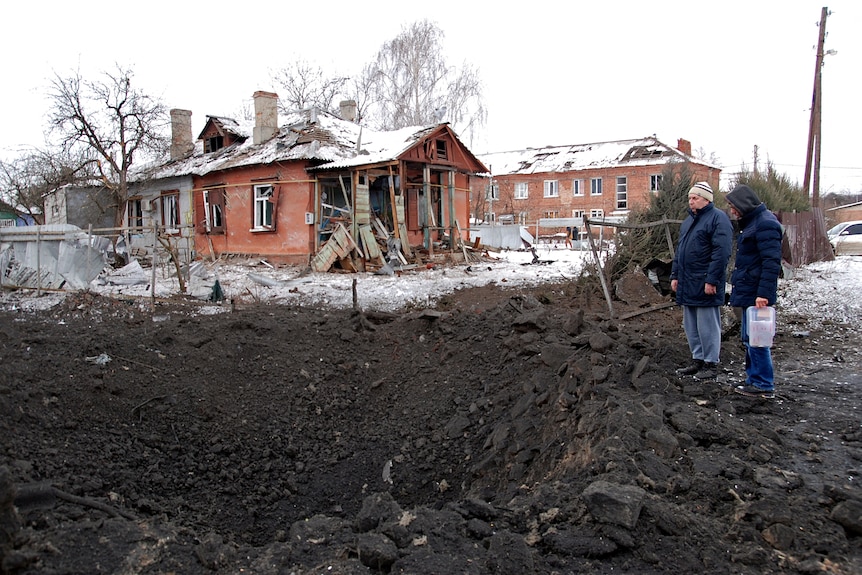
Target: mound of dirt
x,y
503,432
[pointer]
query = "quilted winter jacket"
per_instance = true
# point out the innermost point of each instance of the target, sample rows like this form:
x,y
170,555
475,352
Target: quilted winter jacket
x,y
758,258
705,239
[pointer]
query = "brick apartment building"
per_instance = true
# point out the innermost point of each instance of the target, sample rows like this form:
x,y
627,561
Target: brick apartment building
x,y
599,180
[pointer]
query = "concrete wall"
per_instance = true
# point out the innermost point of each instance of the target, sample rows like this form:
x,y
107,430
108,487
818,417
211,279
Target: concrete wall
x,y
81,206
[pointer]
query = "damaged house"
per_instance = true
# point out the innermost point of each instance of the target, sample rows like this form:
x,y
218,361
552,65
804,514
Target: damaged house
x,y
313,188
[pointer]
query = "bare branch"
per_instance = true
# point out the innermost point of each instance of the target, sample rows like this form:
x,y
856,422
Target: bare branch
x,y
111,122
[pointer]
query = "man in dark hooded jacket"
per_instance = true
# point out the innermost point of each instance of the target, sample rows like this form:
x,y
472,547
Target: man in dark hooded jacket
x,y
755,280
698,277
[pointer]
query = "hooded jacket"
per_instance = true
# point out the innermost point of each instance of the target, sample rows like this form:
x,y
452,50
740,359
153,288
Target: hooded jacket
x,y
758,250
705,239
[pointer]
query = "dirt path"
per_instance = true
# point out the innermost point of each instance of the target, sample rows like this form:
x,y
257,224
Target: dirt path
x,y
502,432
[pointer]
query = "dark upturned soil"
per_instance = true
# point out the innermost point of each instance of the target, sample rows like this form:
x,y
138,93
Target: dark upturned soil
x,y
503,432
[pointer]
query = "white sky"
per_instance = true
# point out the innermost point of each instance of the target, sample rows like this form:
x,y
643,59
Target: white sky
x,y
728,76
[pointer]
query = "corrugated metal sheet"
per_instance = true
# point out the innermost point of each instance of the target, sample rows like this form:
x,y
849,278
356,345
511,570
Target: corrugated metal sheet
x,y
805,237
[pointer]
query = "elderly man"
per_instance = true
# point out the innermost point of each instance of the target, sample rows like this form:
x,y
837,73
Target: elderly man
x,y
698,277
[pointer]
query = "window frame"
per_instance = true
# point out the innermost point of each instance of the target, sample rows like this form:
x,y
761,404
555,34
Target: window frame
x,y
522,190
551,188
655,183
135,212
264,207
622,192
214,210
493,193
169,211
595,186
577,188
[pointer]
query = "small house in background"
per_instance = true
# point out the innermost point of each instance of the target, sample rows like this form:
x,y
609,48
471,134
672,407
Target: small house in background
x,y
844,213
11,218
601,180
314,188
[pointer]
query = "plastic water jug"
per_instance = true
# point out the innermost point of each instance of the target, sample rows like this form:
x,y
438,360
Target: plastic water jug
x,y
761,326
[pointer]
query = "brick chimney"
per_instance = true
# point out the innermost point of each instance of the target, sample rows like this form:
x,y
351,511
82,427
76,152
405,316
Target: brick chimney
x,y
181,134
347,109
265,116
683,146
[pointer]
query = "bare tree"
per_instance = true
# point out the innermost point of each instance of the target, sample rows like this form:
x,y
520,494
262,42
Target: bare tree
x,y
111,123
25,180
303,85
411,84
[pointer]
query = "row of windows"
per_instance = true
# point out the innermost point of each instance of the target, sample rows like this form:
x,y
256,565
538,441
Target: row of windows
x,y
551,189
522,217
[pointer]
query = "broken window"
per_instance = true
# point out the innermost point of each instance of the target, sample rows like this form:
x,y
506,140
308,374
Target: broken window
x,y
214,210
170,208
135,213
441,149
213,143
264,207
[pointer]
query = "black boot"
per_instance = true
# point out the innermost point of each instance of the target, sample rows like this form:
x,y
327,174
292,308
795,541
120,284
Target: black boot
x,y
695,366
708,371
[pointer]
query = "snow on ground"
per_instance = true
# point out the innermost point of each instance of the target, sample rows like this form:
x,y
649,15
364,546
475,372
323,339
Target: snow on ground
x,y
824,291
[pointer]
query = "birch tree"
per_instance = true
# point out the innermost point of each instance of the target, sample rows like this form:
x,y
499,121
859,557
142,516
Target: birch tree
x,y
411,83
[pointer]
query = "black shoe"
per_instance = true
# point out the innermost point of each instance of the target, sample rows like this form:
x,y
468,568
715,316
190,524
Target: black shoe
x,y
708,371
749,390
692,368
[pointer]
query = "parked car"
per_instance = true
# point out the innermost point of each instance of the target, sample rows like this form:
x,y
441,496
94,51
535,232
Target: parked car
x,y
846,238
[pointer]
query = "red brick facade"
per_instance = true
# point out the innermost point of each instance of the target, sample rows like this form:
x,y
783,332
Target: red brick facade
x,y
621,189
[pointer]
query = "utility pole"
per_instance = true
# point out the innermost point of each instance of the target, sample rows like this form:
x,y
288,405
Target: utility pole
x,y
812,158
755,159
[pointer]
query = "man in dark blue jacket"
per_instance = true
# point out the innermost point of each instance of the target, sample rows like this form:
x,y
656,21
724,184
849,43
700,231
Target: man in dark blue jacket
x,y
698,277
755,280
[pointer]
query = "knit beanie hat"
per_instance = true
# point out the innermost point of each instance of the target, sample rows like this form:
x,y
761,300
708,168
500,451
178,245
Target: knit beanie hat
x,y
703,190
743,199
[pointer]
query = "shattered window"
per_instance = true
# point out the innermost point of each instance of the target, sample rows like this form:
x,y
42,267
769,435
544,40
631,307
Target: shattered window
x,y
136,213
214,143
214,210
263,206
170,209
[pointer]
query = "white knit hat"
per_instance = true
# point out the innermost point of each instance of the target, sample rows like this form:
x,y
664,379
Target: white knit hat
x,y
703,190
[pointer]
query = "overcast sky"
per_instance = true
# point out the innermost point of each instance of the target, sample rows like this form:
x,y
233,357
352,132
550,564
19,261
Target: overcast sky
x,y
728,76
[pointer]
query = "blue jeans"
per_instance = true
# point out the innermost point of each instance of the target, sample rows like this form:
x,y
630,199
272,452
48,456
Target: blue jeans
x,y
703,330
758,362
